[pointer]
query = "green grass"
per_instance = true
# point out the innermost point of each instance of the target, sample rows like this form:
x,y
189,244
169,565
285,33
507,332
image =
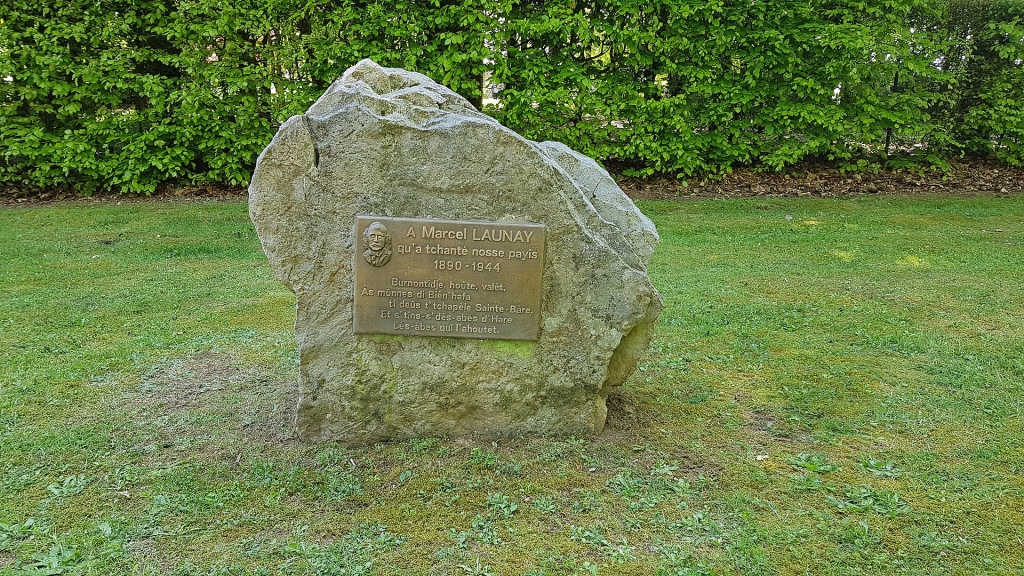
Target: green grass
x,y
836,387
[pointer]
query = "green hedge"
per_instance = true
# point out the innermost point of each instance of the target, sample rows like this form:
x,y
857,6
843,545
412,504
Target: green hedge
x,y
130,94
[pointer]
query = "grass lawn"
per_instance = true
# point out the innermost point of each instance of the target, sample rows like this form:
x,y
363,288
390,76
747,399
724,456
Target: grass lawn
x,y
836,387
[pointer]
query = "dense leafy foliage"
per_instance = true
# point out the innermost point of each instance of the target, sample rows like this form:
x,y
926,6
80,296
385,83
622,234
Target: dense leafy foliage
x,y
129,94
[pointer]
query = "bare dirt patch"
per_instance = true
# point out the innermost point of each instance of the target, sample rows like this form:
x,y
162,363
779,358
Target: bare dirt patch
x,y
694,466
182,385
626,414
767,422
767,429
147,551
211,402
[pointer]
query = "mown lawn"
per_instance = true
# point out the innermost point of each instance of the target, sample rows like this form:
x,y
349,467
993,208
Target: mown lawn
x,y
837,387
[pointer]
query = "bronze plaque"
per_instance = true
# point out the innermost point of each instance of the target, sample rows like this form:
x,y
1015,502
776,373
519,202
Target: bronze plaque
x,y
454,278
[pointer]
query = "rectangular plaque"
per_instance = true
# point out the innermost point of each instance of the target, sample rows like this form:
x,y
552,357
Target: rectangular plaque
x,y
454,278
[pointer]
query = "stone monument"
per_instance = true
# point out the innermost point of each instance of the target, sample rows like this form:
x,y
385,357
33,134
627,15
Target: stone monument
x,y
451,277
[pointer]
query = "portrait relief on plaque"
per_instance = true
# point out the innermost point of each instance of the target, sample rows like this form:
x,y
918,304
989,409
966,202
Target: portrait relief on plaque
x,y
376,244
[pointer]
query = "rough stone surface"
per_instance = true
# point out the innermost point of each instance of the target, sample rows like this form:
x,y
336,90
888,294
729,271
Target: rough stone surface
x,y
394,143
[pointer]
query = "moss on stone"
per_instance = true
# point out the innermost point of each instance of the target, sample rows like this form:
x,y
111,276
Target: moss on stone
x,y
518,348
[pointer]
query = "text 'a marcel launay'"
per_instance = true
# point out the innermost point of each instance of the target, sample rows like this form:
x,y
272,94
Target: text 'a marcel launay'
x,y
474,234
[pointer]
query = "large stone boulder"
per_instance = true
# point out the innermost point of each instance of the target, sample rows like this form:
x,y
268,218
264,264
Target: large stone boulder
x,y
393,143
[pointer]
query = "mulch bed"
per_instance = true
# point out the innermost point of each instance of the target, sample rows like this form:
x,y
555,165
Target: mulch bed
x,y
965,178
825,181
35,197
